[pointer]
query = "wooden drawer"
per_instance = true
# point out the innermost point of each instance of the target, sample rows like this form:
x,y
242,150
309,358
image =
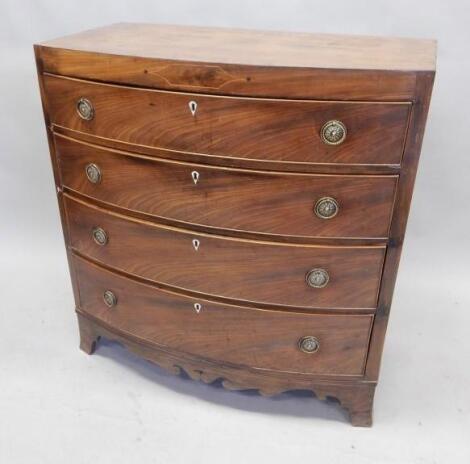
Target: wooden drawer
x,y
246,128
262,272
197,243
232,199
259,339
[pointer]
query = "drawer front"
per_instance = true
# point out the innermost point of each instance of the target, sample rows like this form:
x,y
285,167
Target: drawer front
x,y
262,272
232,199
255,338
249,128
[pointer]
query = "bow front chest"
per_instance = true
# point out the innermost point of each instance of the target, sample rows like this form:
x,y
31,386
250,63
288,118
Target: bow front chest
x,y
234,202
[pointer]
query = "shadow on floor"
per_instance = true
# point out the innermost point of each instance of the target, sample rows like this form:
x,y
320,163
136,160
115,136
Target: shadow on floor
x,y
297,403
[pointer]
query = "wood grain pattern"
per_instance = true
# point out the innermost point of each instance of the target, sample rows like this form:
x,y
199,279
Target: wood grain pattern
x,y
253,338
288,84
243,62
254,48
250,81
399,221
264,272
220,161
233,199
354,395
247,128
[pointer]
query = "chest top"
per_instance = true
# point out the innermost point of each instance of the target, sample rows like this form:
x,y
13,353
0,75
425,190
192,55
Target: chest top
x,y
244,62
234,202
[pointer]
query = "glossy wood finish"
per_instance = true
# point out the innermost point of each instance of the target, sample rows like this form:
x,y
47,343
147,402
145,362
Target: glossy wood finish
x,y
233,199
356,396
243,62
246,128
237,163
261,272
399,221
254,48
259,339
303,78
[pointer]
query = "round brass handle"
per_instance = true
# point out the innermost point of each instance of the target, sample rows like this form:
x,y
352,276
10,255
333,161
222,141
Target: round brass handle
x,y
309,344
93,173
333,132
109,298
100,236
85,109
326,208
317,278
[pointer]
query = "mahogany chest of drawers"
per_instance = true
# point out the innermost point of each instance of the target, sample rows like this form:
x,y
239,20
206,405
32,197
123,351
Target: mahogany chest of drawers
x,y
234,202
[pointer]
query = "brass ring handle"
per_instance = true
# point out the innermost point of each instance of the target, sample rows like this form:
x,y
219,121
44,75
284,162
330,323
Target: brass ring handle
x,y
93,173
309,344
109,298
333,132
326,208
317,278
85,109
100,236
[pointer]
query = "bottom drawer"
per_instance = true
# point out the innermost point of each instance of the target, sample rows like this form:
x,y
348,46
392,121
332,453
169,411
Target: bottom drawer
x,y
262,339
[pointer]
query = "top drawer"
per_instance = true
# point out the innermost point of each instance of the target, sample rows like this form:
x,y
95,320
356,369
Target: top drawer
x,y
246,128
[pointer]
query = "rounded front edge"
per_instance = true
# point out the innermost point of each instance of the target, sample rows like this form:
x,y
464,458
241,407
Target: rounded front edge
x,y
140,346
215,160
354,394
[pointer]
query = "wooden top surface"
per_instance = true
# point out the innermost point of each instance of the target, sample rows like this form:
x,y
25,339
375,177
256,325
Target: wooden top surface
x,y
250,47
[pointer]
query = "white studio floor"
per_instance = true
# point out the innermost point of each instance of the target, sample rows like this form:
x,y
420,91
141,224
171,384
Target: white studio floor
x,y
59,405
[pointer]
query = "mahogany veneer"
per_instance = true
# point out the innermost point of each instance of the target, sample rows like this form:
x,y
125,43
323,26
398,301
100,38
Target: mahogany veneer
x,y
258,271
237,211
231,334
160,188
287,130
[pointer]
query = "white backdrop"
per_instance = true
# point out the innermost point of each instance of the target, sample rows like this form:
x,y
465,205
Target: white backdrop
x,y
58,405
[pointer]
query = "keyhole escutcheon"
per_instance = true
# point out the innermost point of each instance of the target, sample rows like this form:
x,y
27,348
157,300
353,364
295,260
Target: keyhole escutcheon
x,y
192,107
195,176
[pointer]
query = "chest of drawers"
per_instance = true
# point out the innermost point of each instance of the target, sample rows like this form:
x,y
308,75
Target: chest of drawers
x,y
234,202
